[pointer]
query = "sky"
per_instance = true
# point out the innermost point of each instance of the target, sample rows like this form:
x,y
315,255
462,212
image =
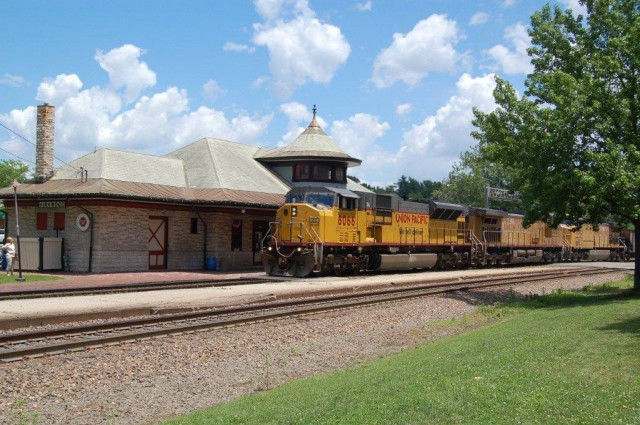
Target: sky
x,y
394,82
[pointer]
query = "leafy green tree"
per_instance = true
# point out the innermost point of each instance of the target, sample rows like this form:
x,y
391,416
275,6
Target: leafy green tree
x,y
573,138
375,189
467,181
410,188
12,170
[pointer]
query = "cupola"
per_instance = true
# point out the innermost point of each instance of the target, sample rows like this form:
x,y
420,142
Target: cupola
x,y
313,157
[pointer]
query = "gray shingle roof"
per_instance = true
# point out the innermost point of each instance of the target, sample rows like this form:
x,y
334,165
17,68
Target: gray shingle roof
x,y
207,171
311,143
113,164
216,163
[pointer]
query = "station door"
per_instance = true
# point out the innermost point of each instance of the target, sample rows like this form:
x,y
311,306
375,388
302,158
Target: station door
x,y
260,229
157,243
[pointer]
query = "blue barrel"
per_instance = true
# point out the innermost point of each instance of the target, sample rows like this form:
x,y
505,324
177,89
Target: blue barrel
x,y
212,263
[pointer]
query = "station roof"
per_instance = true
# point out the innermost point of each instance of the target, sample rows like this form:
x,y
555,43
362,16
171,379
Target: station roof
x,y
313,143
209,170
124,190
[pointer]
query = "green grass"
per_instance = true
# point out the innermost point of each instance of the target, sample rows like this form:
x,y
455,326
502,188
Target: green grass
x,y
562,358
30,277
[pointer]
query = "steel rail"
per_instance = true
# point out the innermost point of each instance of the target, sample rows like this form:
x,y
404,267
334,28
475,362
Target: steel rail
x,y
208,312
247,314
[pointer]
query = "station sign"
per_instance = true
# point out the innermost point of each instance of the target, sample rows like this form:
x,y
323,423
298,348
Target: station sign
x,y
52,204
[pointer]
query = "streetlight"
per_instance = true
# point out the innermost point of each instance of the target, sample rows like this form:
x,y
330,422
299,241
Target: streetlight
x,y
15,185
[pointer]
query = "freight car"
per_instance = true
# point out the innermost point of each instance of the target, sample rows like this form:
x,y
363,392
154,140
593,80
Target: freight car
x,y
334,230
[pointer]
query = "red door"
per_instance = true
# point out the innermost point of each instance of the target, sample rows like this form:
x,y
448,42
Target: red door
x,y
157,243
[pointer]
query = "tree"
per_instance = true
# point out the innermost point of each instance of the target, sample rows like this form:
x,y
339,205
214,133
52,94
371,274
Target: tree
x,y
12,170
410,188
467,181
572,139
375,189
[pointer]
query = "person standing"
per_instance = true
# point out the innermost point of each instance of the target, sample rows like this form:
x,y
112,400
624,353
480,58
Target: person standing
x,y
9,250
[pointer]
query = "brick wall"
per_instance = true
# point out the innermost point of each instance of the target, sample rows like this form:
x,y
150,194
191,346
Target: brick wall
x,y
120,238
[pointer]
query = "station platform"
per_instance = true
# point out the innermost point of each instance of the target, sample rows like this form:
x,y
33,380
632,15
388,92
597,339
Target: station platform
x,y
54,310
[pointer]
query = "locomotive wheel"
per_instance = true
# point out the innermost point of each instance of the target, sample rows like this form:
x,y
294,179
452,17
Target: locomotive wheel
x,y
300,266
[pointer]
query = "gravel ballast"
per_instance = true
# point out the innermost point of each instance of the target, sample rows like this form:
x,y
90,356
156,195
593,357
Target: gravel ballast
x,y
151,381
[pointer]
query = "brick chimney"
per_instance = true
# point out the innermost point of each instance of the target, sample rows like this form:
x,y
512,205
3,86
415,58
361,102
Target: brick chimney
x,y
45,127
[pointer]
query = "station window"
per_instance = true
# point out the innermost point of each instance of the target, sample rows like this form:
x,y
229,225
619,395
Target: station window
x,y
302,172
322,172
236,235
194,225
41,221
319,172
58,220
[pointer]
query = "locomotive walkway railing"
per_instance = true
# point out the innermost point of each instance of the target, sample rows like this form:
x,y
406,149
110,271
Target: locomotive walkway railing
x,y
478,249
509,238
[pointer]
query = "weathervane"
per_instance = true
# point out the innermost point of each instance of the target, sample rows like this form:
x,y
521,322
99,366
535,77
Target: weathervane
x,y
314,110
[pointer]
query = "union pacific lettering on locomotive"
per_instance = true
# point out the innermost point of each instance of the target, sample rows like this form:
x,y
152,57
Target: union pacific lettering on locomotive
x,y
335,230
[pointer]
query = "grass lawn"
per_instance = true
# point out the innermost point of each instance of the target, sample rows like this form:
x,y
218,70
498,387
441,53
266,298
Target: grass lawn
x,y
559,359
30,277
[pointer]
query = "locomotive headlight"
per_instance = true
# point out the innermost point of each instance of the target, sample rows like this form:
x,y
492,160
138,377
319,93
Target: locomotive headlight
x,y
270,248
299,249
294,211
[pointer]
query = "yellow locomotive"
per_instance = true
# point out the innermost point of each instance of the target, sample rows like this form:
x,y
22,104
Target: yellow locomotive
x,y
335,230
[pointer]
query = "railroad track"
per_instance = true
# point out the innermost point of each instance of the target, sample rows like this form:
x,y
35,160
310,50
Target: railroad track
x,y
135,287
23,345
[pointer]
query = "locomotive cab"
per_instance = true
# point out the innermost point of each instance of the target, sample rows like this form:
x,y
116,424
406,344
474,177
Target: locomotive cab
x,y
310,218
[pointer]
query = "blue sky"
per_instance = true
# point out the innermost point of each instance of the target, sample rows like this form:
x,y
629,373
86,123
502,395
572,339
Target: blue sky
x,y
394,81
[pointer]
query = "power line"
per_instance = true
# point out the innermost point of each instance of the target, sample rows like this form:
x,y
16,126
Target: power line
x,y
20,136
29,141
20,158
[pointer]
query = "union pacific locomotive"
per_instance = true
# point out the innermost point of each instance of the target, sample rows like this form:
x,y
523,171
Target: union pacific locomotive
x,y
335,230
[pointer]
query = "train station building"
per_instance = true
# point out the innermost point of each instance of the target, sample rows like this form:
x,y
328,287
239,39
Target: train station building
x,y
206,205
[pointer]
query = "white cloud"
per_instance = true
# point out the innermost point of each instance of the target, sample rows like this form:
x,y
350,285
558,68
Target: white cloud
x,y
101,116
210,122
365,7
60,89
509,3
22,122
403,109
270,10
234,47
516,61
212,90
126,71
260,81
428,47
295,111
357,136
12,80
575,6
301,49
430,148
298,118
479,18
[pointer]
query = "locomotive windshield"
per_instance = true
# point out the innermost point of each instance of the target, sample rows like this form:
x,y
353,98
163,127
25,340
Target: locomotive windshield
x,y
314,198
